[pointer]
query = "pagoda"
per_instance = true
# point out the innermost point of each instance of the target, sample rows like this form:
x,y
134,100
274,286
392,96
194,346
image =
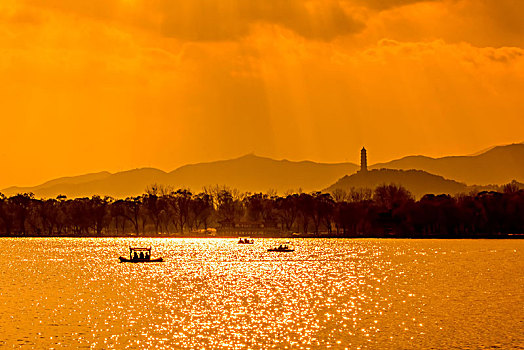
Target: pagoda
x,y
363,160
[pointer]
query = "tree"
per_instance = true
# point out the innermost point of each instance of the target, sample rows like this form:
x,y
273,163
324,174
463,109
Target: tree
x,y
132,207
391,196
49,212
182,202
228,209
287,210
99,214
201,209
21,204
306,207
154,206
339,195
512,187
6,215
323,209
79,215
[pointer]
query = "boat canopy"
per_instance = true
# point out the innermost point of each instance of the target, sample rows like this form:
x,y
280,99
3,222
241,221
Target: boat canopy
x,y
139,253
137,249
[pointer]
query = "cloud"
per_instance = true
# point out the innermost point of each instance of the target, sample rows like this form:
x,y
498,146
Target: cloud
x,y
201,80
99,9
388,4
217,20
479,22
463,52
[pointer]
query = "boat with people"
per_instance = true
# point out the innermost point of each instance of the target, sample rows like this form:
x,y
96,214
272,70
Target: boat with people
x,y
139,255
246,241
282,248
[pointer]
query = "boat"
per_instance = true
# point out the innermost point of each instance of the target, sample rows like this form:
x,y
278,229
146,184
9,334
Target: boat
x,y
139,255
246,241
281,248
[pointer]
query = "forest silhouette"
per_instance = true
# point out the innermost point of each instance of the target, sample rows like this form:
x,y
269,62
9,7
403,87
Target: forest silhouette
x,y
387,211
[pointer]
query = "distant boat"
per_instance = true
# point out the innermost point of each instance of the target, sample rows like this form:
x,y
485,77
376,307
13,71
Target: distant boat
x,y
281,248
246,241
140,255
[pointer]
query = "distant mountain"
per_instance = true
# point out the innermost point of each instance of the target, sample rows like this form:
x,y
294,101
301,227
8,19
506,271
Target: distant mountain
x,y
497,165
61,181
248,173
418,182
254,174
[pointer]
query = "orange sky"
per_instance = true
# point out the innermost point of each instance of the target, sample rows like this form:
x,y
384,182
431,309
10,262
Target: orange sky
x,y
119,84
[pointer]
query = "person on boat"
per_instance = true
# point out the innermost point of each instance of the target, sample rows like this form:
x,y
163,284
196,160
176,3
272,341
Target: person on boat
x,y
147,256
135,256
141,255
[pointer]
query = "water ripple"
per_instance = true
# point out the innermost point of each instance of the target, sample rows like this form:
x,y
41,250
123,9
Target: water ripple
x,y
214,293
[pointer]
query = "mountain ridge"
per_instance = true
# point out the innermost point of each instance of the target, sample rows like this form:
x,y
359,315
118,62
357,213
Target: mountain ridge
x,y
252,173
499,164
418,182
248,173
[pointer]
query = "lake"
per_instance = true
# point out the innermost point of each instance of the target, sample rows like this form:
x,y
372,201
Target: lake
x,y
217,294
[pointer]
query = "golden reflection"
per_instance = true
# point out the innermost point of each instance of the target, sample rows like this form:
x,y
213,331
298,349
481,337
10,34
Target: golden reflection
x,y
214,293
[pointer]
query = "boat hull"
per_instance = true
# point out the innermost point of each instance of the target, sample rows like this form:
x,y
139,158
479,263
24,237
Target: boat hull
x,y
281,250
122,259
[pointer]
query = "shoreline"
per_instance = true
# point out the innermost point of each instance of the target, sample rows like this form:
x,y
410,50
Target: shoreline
x,y
301,236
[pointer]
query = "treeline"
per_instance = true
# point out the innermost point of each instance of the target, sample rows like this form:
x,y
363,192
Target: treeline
x,y
389,210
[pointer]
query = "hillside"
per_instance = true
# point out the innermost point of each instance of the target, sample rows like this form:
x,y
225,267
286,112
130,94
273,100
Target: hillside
x,y
417,182
73,181
254,174
248,173
497,165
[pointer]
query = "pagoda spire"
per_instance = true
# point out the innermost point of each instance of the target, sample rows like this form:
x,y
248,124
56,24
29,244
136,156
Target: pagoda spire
x,y
363,160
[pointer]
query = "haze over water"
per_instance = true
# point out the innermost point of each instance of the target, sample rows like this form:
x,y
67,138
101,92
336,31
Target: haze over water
x,y
214,293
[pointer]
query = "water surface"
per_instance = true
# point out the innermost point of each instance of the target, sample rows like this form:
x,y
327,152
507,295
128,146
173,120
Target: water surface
x,y
214,293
